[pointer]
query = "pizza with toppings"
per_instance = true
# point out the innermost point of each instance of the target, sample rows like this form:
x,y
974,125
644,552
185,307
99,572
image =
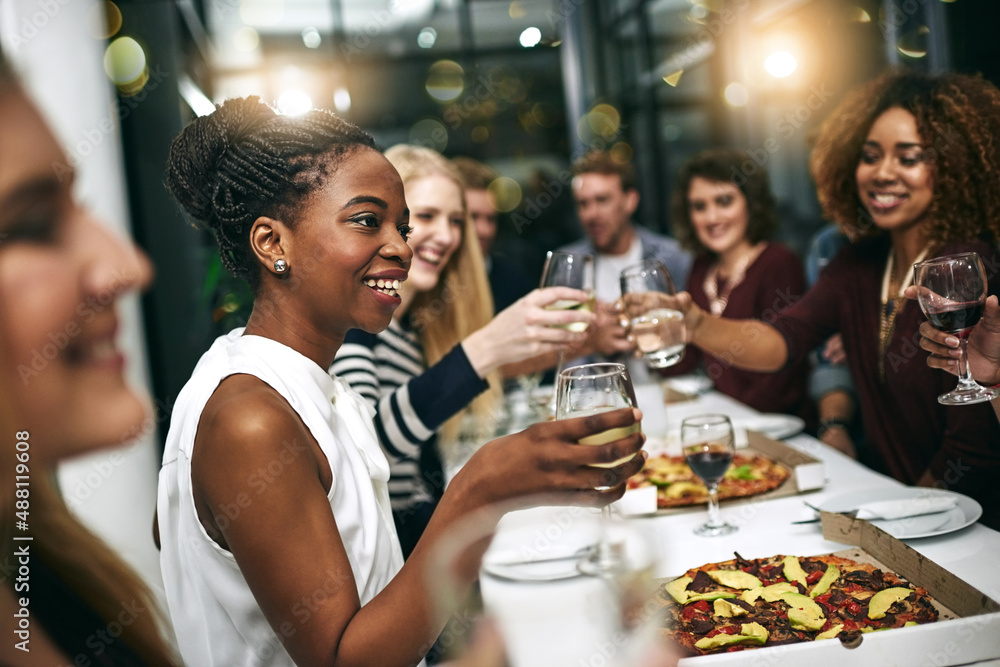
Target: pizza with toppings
x,y
740,604
678,486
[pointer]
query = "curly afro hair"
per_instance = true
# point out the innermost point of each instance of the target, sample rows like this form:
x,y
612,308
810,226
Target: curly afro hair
x,y
958,118
725,166
244,161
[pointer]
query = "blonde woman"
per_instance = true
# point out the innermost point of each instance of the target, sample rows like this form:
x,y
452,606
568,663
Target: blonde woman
x,y
439,360
65,597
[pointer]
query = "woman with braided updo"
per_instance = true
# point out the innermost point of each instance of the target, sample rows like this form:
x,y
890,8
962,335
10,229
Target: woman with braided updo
x,y
278,543
908,166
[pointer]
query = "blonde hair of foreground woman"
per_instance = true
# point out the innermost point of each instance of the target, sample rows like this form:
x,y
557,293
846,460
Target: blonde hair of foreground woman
x,y
79,559
461,302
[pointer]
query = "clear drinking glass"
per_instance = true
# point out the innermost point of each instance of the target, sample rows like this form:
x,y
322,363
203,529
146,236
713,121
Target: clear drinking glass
x,y
565,269
951,291
708,445
586,390
658,330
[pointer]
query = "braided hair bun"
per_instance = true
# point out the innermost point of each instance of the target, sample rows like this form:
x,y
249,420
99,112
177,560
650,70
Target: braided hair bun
x,y
245,161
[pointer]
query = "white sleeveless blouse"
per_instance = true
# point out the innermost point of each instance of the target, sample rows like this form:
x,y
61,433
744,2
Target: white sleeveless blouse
x,y
215,617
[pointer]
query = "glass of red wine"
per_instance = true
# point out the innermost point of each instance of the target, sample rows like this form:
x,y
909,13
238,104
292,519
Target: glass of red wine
x,y
951,291
708,446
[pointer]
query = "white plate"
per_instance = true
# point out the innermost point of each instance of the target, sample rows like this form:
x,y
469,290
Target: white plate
x,y
775,426
964,514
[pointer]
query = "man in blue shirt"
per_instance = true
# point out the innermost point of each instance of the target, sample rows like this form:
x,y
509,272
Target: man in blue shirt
x,y
606,199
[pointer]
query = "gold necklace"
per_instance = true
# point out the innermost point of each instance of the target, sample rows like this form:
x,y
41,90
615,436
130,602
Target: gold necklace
x,y
718,300
892,305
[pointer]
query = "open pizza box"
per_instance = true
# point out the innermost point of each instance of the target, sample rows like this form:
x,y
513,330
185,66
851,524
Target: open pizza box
x,y
807,471
967,629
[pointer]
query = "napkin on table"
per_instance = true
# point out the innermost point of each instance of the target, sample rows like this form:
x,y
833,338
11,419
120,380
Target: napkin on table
x,y
898,509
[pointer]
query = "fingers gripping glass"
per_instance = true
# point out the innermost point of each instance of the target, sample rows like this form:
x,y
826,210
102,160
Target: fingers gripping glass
x,y
708,446
657,329
951,291
587,390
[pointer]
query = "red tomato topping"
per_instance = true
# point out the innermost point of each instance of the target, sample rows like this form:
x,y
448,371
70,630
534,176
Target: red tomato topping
x,y
728,630
814,577
702,605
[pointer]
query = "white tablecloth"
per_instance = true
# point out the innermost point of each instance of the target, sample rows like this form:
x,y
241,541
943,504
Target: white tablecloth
x,y
765,528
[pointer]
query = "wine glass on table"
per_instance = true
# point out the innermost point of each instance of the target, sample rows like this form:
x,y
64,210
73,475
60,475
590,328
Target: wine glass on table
x,y
587,390
951,291
658,330
565,269
708,446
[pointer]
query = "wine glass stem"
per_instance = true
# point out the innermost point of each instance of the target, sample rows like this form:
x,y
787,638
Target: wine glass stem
x,y
713,506
604,555
964,373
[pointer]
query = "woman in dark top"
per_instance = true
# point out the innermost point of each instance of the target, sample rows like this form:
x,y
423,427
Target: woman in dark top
x,y
65,597
738,273
908,167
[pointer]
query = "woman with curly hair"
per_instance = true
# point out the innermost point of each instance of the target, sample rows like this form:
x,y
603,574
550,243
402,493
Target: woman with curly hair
x,y
726,223
907,167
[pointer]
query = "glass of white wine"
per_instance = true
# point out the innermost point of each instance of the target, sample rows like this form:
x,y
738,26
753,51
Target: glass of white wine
x,y
658,329
587,390
566,269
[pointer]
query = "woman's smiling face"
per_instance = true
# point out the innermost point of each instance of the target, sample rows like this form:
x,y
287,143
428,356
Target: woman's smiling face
x,y
437,218
719,214
61,274
895,182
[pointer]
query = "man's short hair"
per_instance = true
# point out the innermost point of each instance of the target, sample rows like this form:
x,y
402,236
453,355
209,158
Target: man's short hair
x,y
475,174
601,162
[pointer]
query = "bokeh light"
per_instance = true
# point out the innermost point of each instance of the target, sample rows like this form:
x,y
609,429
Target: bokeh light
x,y
427,38
125,65
673,78
480,134
736,94
914,43
262,12
780,64
506,193
294,102
104,20
246,39
429,132
516,10
604,120
530,37
342,99
311,38
445,80
621,153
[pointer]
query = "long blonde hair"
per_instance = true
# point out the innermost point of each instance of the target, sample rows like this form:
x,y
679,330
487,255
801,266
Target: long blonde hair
x,y
75,555
461,302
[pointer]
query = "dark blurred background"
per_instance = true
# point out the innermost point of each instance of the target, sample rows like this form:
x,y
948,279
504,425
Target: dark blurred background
x,y
525,85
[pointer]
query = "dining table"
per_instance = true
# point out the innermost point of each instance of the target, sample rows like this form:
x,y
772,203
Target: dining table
x,y
554,622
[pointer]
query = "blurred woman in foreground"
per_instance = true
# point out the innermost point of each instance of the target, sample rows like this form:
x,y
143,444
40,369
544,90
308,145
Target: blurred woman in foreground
x,y
65,597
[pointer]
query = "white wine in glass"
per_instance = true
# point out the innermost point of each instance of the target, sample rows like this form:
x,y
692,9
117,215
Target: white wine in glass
x,y
587,390
566,269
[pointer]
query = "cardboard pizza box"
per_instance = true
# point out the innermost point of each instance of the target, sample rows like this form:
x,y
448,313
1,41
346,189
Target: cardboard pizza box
x,y
808,474
968,629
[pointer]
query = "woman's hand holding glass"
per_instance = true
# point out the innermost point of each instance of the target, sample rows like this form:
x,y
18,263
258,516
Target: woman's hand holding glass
x,y
528,328
546,458
656,328
951,291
